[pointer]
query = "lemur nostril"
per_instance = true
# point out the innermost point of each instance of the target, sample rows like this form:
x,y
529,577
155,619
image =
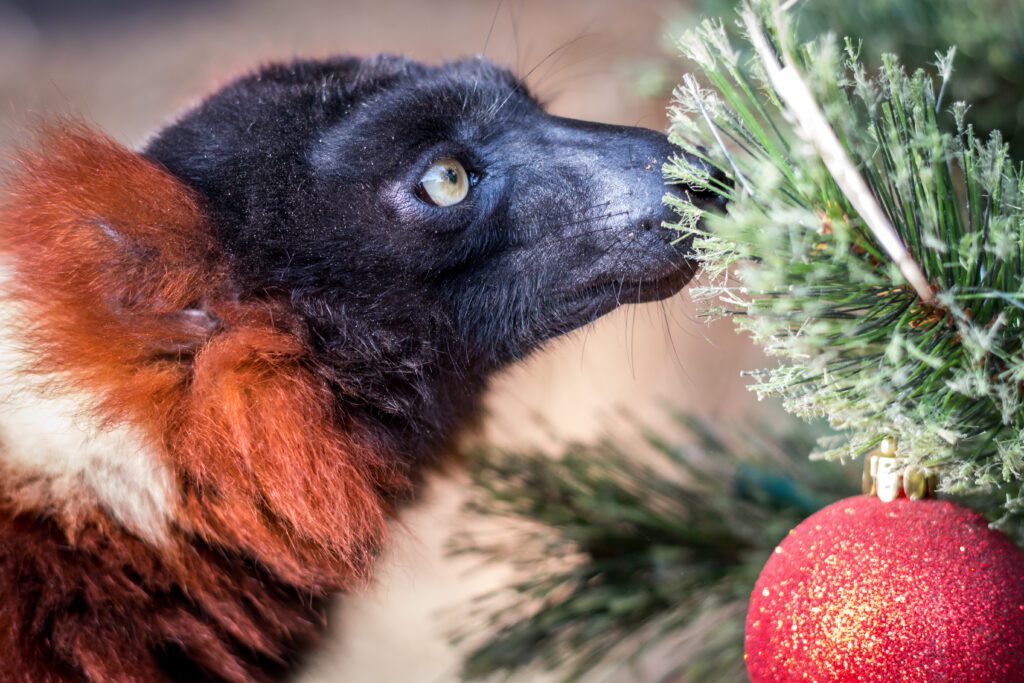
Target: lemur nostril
x,y
713,195
719,175
709,193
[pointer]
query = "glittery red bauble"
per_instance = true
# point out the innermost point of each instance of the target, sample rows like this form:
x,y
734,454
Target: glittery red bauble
x,y
903,591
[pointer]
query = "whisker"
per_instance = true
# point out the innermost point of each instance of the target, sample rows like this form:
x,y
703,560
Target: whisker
x,y
490,31
569,224
594,208
522,81
547,91
515,32
663,307
555,240
632,329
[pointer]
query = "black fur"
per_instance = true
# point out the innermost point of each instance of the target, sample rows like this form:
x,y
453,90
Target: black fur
x,y
310,171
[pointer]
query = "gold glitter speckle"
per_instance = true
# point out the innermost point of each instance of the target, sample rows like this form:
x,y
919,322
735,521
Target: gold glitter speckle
x,y
901,592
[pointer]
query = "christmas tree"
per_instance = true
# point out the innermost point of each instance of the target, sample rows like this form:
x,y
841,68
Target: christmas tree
x,y
624,545
878,253
986,33
874,243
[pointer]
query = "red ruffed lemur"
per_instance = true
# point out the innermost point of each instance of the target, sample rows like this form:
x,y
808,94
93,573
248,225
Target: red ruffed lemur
x,y
228,358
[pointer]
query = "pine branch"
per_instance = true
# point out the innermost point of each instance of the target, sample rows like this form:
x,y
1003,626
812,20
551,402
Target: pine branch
x,y
990,55
797,264
621,554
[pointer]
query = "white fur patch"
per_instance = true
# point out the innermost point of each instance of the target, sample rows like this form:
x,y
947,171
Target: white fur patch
x,y
65,462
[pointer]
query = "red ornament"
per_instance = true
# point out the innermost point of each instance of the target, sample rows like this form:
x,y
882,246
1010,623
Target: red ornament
x,y
904,591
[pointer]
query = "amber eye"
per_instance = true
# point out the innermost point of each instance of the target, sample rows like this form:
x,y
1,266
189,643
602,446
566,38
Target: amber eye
x,y
445,183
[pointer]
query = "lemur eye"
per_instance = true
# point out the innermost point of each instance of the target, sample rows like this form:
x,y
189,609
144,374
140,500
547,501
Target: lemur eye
x,y
445,183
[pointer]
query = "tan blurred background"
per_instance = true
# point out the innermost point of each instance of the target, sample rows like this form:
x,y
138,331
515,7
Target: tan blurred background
x,y
130,67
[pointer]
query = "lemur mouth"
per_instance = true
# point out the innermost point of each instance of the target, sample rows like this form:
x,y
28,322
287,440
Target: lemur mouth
x,y
608,293
644,289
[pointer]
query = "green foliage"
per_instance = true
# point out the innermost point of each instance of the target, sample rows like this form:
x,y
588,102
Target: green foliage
x,y
799,269
619,553
986,33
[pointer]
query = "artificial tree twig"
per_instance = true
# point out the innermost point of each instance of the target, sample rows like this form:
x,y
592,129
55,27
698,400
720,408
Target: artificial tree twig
x,y
793,90
823,292
691,84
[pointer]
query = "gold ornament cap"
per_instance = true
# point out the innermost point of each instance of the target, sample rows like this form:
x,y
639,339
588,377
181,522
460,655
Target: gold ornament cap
x,y
886,477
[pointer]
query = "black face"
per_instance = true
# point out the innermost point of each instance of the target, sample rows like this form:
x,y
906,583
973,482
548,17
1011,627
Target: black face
x,y
315,171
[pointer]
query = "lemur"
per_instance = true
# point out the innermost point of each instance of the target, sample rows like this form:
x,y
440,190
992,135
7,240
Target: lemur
x,y
230,357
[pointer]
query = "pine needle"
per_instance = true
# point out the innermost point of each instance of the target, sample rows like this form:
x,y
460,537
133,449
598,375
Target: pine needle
x,y
873,243
621,550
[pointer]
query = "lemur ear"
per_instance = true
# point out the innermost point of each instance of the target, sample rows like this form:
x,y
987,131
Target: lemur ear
x,y
124,297
111,253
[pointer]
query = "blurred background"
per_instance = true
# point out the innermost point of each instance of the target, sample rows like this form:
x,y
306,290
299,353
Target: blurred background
x,y
130,67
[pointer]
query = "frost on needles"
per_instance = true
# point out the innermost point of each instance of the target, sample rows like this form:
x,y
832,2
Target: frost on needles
x,y
798,264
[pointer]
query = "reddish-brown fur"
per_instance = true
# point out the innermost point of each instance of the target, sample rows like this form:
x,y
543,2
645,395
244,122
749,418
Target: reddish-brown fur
x,y
126,298
105,607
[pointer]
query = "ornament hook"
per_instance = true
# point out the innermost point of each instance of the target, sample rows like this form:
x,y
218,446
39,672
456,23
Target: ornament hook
x,y
887,478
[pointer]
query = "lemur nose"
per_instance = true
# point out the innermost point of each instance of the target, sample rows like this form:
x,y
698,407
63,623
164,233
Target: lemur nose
x,y
704,197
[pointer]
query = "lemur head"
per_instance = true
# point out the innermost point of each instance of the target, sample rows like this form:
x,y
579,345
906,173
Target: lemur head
x,y
399,204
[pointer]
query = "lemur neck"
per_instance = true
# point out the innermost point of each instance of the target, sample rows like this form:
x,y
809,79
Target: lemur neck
x,y
413,392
